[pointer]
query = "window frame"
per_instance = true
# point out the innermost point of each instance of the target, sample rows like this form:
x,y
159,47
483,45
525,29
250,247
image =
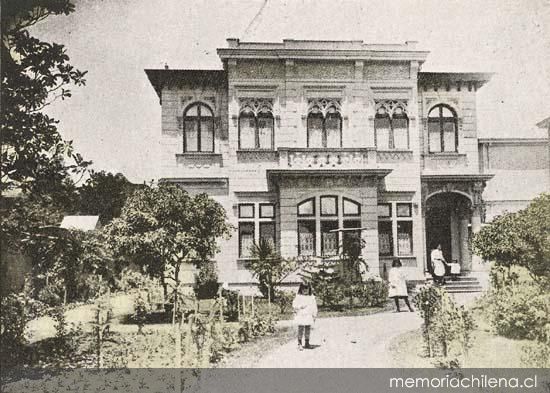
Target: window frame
x,y
333,197
199,122
324,136
441,121
260,205
257,223
313,211
394,220
251,114
391,116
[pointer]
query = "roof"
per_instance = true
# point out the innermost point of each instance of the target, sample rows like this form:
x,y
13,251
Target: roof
x,y
544,123
83,223
513,141
478,79
160,78
321,49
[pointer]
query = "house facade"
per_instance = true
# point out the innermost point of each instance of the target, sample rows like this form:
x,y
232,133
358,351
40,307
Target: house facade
x,y
305,142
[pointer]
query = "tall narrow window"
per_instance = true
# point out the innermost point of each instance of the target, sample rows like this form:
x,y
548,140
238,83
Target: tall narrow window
x,y
391,126
382,126
246,239
256,126
198,129
324,127
442,129
306,237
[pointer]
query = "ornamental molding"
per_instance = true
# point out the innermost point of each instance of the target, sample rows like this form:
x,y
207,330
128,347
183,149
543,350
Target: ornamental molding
x,y
324,105
390,106
255,105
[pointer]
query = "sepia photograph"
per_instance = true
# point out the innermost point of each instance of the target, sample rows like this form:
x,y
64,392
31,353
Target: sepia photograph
x,y
275,196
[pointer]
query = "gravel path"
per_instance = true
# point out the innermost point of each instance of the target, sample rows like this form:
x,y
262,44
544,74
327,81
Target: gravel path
x,y
345,342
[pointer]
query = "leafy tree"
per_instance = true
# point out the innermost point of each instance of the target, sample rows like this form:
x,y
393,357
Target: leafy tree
x,y
269,267
104,194
162,228
521,238
34,74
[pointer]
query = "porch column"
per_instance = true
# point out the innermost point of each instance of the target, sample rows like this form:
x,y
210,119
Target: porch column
x,y
465,257
477,262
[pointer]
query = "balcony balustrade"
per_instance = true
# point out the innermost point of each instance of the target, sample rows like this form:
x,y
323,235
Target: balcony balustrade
x,y
337,158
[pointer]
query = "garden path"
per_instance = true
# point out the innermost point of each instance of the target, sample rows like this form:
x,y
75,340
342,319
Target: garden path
x,y
341,342
44,327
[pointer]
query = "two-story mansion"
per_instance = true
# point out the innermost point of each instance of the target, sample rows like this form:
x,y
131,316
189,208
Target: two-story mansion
x,y
301,140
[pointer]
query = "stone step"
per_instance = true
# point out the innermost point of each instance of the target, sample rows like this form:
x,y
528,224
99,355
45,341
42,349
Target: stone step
x,y
463,287
455,283
469,290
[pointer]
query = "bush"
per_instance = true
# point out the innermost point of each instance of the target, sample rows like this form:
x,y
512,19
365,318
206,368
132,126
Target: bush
x,y
13,319
206,282
373,293
231,304
447,328
284,300
255,326
517,307
50,295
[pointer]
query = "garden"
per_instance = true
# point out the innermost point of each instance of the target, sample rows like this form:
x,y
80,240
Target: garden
x,y
509,326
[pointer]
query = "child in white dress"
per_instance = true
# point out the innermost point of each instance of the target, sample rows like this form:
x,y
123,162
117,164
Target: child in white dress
x,y
305,312
398,284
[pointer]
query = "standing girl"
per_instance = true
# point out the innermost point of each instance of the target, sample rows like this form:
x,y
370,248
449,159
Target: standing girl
x,y
398,284
305,312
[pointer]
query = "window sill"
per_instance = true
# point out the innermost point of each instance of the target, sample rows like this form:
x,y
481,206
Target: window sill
x,y
444,154
198,154
244,151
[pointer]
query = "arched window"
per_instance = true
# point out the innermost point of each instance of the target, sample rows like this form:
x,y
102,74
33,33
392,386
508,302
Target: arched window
x,y
256,128
198,129
324,222
391,126
442,129
324,127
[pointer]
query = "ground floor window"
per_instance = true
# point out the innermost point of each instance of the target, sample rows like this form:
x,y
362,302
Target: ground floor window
x,y
395,222
256,221
306,238
322,223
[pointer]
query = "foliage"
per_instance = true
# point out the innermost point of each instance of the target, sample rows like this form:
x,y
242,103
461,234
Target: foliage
x,y
231,304
206,281
256,325
516,306
267,265
164,227
34,74
284,299
372,293
447,327
13,319
141,309
521,238
104,194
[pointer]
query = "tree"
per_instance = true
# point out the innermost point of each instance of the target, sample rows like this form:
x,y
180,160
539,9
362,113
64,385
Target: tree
x,y
104,194
269,267
162,228
34,74
521,238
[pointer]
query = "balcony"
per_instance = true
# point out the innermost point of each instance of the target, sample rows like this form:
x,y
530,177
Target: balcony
x,y
442,162
336,158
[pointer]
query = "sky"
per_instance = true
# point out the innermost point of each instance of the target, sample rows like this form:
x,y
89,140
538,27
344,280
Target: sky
x,y
115,119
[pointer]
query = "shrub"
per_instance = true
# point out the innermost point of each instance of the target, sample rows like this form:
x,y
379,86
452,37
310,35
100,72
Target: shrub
x,y
255,326
231,304
447,328
141,309
284,299
206,281
50,295
373,293
516,306
13,318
